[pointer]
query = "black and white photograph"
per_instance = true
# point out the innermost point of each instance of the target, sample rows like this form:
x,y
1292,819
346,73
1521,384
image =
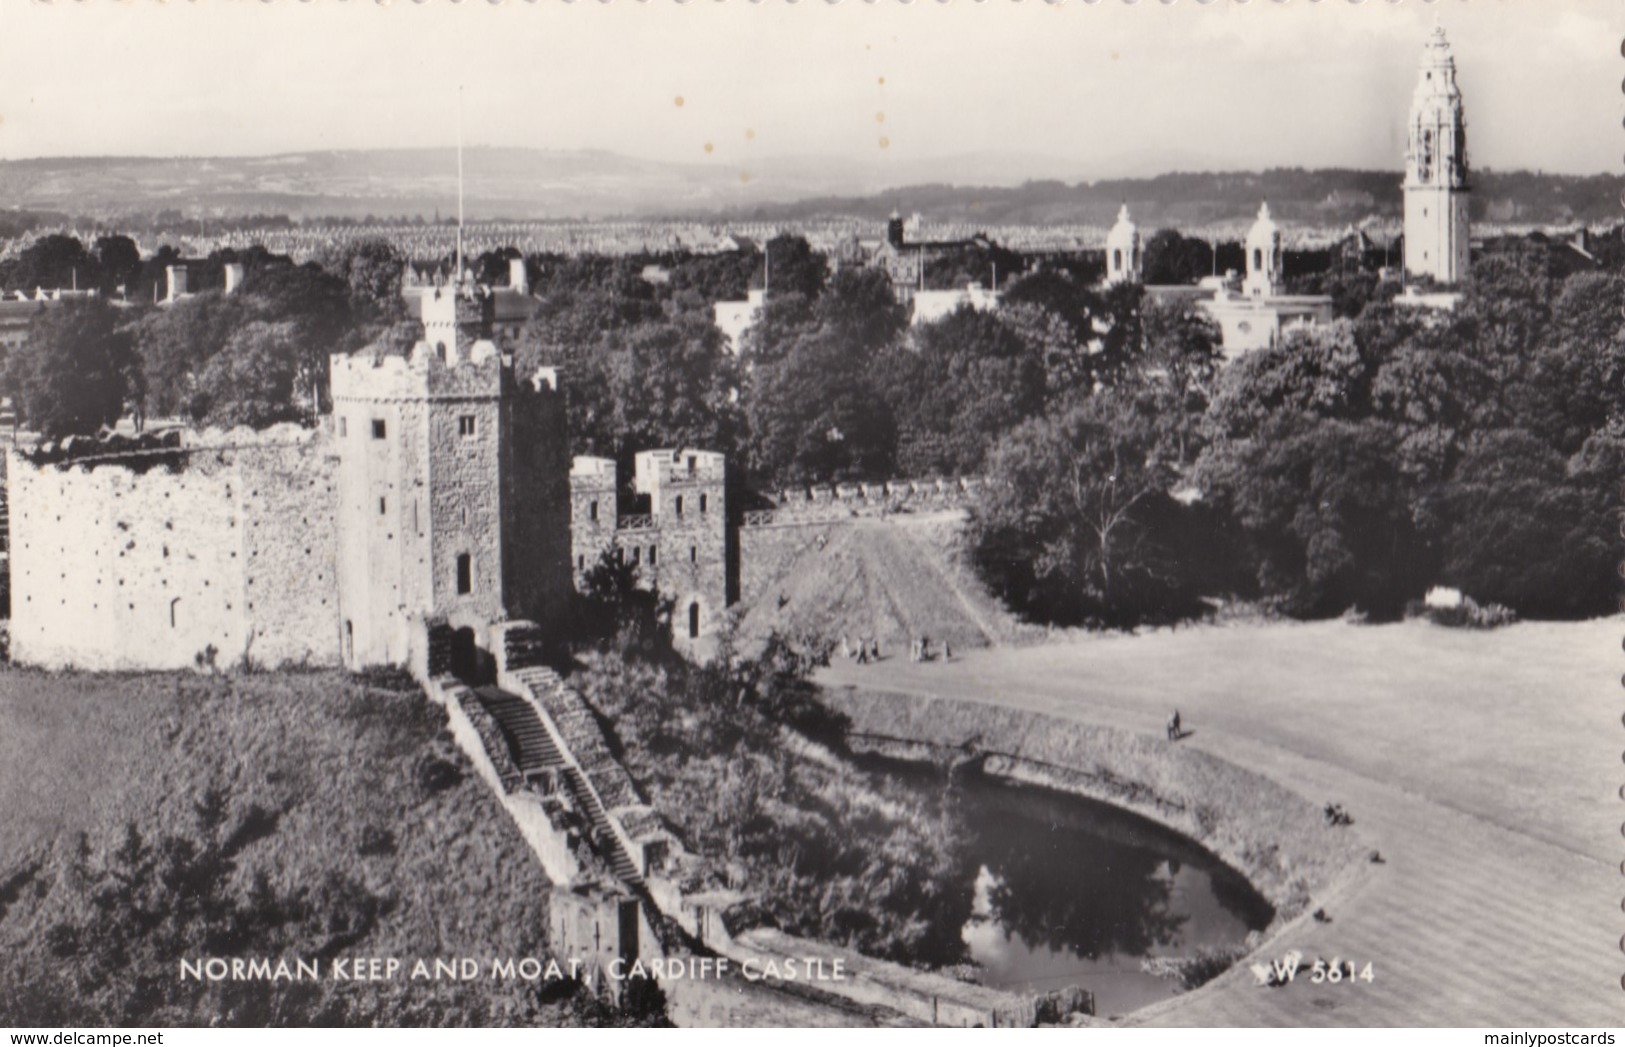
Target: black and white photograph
x,y
555,513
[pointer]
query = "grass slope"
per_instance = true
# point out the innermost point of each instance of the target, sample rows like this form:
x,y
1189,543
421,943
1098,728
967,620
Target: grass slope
x,y
891,580
353,782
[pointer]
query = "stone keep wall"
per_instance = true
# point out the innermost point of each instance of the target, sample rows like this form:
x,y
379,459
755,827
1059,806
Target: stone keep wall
x,y
421,442
118,569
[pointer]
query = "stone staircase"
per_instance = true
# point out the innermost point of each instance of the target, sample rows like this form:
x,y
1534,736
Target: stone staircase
x,y
532,746
537,755
609,844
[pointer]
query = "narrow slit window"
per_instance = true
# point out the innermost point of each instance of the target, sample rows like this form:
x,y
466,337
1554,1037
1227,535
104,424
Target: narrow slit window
x,y
679,505
703,500
383,507
592,512
465,574
651,556
693,554
467,425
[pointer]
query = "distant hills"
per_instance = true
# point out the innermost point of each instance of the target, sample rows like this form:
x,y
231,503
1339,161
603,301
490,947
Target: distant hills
x,y
974,188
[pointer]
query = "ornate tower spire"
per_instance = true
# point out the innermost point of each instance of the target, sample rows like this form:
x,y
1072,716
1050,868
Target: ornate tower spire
x,y
1436,233
1123,250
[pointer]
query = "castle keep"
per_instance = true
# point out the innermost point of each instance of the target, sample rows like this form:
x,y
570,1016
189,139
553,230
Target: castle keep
x,y
437,502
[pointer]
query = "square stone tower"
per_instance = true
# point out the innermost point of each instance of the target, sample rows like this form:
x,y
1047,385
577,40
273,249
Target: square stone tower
x,y
453,497
687,493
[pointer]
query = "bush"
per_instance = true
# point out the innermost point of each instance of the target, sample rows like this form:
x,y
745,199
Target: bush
x,y
1470,614
1193,972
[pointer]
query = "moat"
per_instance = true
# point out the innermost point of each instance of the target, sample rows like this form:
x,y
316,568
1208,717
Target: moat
x,y
1073,892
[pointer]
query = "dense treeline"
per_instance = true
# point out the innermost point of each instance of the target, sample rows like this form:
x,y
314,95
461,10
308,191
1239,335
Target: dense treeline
x,y
1353,465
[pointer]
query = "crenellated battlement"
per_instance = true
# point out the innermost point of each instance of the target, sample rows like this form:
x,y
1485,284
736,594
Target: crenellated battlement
x,y
653,470
433,371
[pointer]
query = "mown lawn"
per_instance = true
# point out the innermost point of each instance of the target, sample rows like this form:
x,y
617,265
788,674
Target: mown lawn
x,y
351,825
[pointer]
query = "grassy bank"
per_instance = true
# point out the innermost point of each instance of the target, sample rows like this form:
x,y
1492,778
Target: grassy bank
x,y
826,850
147,817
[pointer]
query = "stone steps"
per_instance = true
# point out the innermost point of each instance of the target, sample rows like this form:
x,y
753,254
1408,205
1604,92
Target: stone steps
x,y
533,749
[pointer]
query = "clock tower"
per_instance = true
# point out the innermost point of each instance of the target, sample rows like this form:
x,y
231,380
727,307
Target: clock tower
x,y
1436,235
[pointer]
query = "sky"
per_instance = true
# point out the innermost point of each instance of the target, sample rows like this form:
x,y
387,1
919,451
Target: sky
x,y
1100,89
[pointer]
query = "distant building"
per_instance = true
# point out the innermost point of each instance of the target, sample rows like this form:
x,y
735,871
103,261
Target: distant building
x,y
905,261
1261,314
930,306
735,318
1437,242
1124,258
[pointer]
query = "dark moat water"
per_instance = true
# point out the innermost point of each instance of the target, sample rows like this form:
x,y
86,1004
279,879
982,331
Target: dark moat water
x,y
1073,892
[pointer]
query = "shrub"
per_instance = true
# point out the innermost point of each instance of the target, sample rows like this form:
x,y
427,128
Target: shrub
x,y
1470,614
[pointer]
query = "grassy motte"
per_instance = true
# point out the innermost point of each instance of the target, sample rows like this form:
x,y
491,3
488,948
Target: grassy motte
x,y
146,818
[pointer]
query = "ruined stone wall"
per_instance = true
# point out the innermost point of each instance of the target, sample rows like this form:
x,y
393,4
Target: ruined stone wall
x,y
290,548
121,566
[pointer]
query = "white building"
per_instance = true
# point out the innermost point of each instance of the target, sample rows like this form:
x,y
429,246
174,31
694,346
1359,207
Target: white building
x,y
1123,251
1261,314
1436,232
930,306
733,319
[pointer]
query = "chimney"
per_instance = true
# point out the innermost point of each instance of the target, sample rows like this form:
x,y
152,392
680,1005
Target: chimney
x,y
518,278
234,276
177,282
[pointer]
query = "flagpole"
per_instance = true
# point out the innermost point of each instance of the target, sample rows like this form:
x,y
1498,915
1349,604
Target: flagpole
x,y
459,277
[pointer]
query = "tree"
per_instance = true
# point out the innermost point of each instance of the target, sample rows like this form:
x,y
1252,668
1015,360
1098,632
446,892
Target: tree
x,y
792,266
120,263
1328,511
316,307
54,261
372,269
813,414
1178,368
812,409
75,372
177,342
1527,529
1070,524
969,379
253,380
1171,258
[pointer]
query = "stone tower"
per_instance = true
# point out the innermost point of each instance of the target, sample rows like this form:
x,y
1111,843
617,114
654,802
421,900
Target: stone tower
x,y
687,492
1123,250
1436,233
453,501
1264,257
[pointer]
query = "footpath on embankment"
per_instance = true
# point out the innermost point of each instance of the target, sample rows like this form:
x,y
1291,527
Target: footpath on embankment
x,y
1483,766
